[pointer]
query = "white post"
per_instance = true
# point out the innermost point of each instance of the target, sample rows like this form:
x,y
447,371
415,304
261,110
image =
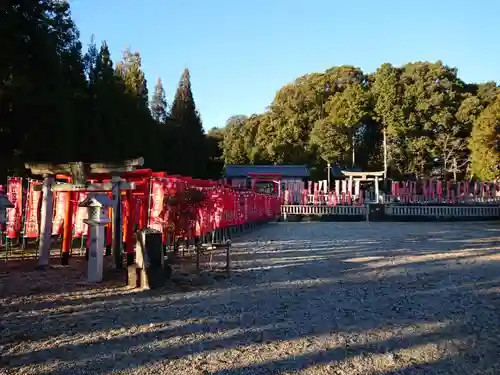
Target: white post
x,y
376,190
46,222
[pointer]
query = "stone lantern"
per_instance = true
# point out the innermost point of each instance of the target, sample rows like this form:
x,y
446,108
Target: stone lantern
x,y
97,205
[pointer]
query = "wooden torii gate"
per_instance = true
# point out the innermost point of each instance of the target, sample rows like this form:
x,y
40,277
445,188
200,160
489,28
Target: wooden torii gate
x,y
80,173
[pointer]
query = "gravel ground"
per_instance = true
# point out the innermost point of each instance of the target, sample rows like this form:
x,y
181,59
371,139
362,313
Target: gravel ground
x,y
304,298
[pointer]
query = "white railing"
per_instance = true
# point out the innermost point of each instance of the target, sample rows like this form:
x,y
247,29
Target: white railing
x,y
369,197
297,209
444,211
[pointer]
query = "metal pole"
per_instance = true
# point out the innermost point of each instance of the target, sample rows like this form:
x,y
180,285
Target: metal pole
x,y
385,155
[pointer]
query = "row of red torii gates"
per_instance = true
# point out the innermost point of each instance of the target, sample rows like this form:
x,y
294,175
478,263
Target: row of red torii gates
x,y
122,181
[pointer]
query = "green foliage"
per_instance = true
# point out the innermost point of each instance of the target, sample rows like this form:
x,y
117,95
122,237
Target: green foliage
x,y
190,137
340,116
58,104
484,143
159,103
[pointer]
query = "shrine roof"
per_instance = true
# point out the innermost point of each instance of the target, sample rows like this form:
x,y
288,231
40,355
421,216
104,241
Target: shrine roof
x,y
278,170
337,170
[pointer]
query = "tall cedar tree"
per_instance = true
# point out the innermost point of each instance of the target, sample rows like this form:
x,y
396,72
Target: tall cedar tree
x,y
191,137
141,129
158,104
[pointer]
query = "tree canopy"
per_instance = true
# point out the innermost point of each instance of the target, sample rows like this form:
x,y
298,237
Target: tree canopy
x,y
433,123
59,102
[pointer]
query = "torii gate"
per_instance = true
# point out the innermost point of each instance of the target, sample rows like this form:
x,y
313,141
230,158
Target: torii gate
x,y
80,172
358,177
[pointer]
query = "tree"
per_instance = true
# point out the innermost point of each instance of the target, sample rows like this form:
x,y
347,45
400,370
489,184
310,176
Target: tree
x,y
130,71
233,143
485,143
159,103
337,136
190,137
214,147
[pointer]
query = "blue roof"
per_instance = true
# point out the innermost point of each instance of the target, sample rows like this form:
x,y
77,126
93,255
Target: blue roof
x,y
282,170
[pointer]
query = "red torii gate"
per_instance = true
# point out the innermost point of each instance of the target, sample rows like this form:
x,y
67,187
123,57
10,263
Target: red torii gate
x,y
141,179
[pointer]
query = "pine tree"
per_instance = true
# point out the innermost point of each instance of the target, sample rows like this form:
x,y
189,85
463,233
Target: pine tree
x,y
159,103
191,137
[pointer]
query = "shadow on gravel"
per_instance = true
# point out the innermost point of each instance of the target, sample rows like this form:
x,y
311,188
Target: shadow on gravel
x,y
290,290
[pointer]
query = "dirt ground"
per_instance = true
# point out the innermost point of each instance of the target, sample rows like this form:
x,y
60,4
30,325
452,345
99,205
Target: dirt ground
x,y
303,298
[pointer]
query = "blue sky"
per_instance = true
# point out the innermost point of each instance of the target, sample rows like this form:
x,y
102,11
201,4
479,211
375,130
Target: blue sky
x,y
240,52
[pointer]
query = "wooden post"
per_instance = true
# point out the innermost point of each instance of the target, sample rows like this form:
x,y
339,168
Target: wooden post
x,y
129,227
68,229
46,222
117,223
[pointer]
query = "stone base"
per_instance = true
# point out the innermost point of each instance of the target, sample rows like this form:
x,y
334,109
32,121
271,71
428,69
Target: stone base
x,y
150,278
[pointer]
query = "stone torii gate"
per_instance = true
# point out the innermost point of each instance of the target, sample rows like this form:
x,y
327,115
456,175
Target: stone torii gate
x,y
80,173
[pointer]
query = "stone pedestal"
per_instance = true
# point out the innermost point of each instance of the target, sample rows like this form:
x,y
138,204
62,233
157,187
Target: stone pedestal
x,y
148,271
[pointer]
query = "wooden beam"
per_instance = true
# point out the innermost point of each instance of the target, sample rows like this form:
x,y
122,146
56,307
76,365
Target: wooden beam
x,y
138,162
93,187
87,168
362,174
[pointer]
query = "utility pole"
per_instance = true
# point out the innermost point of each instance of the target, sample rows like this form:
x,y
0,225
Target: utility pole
x,y
329,174
385,155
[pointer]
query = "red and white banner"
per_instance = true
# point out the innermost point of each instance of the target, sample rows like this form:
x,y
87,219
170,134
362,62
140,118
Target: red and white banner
x,y
81,213
156,205
14,215
61,201
31,221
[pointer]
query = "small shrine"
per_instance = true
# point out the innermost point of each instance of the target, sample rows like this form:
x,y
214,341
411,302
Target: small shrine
x,y
270,179
355,179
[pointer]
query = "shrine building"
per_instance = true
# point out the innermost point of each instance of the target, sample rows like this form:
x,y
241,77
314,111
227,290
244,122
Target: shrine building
x,y
266,178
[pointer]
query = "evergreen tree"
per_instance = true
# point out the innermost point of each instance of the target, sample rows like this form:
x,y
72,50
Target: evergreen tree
x,y
130,71
142,131
191,137
159,103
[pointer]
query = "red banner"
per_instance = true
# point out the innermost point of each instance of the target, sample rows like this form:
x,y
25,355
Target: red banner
x,y
31,224
156,205
81,213
61,200
14,215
